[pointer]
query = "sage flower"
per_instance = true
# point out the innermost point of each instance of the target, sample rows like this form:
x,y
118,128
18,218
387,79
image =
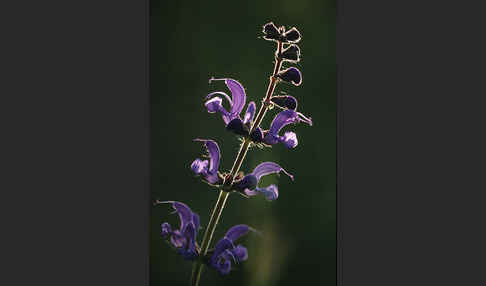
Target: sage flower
x,y
249,184
184,238
285,117
237,101
208,169
225,249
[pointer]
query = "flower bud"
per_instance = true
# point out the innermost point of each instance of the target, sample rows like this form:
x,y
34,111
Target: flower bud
x,y
257,135
291,75
292,35
237,127
291,54
271,32
286,101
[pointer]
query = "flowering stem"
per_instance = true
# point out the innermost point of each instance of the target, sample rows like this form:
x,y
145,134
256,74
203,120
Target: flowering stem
x,y
223,195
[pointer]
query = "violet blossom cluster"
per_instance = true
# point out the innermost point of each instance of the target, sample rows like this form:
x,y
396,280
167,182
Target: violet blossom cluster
x,y
246,126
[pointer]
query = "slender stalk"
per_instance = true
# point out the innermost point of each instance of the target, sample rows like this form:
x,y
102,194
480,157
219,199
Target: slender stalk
x,y
223,195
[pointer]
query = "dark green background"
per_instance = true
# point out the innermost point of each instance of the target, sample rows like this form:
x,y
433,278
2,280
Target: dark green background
x,y
192,41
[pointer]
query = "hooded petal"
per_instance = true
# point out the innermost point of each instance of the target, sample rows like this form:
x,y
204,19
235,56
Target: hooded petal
x,y
184,212
237,231
238,96
282,119
267,168
250,112
214,156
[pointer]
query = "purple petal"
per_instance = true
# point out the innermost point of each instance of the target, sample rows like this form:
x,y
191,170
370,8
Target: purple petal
x,y
224,267
270,192
220,248
250,193
250,112
177,239
240,253
214,105
237,231
195,219
189,249
214,156
289,139
238,95
184,212
198,166
166,229
282,119
248,182
266,168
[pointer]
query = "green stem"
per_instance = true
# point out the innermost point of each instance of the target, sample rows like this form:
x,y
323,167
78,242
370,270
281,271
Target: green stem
x,y
223,195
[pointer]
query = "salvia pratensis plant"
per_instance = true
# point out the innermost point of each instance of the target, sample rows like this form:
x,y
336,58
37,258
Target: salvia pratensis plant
x,y
246,126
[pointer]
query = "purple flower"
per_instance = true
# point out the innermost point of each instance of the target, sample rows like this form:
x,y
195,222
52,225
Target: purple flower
x,y
208,169
225,249
249,184
282,119
237,101
184,238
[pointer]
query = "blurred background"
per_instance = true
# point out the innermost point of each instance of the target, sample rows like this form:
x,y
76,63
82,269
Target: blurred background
x,y
194,40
